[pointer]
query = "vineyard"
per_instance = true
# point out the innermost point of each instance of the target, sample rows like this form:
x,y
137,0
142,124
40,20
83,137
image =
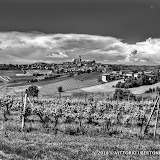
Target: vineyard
x,y
23,119
125,113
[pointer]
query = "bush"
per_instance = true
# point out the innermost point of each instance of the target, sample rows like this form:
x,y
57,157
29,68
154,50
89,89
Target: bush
x,y
123,94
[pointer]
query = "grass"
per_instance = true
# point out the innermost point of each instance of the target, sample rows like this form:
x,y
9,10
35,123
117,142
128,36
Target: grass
x,y
107,87
36,145
142,89
40,83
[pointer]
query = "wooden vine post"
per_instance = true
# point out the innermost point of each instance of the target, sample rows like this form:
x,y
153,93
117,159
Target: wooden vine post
x,y
128,97
23,111
145,130
85,98
157,116
22,96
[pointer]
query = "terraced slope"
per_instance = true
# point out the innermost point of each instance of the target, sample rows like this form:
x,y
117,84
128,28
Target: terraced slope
x,y
5,78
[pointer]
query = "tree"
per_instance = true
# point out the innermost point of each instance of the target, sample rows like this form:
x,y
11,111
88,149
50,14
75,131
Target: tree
x,y
100,78
32,91
158,89
71,74
150,90
153,90
60,90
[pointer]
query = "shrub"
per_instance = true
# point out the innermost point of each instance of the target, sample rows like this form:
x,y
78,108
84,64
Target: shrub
x,y
74,130
158,89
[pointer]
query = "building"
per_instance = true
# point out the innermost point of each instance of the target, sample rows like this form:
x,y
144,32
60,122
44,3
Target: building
x,y
77,60
129,75
106,77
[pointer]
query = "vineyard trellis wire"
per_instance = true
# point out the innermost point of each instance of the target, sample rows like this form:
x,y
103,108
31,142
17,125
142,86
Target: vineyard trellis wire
x,y
110,112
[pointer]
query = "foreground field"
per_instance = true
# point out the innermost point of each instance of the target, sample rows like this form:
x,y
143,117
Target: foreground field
x,y
87,130
36,145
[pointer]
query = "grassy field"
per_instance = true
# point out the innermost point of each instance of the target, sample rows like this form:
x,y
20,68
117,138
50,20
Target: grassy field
x,y
39,83
23,146
107,87
67,85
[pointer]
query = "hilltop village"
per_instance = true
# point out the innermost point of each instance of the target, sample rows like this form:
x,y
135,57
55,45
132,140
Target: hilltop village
x,y
104,72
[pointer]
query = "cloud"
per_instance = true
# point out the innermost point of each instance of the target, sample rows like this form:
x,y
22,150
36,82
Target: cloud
x,y
59,55
134,52
19,47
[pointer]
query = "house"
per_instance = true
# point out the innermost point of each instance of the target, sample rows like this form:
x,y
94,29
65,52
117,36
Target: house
x,y
106,77
137,75
129,75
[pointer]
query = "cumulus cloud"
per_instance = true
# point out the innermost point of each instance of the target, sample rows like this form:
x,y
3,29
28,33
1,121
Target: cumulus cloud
x,y
58,55
19,47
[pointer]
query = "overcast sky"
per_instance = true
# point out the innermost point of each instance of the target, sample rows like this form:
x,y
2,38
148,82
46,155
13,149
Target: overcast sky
x,y
110,31
131,20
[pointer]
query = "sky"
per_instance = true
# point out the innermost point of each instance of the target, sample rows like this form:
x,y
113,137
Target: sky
x,y
130,22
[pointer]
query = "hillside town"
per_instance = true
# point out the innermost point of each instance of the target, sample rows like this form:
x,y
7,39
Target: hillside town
x,y
76,65
107,72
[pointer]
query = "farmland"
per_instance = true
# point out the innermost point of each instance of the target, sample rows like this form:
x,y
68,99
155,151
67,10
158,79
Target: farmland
x,y
70,84
73,137
49,87
87,82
